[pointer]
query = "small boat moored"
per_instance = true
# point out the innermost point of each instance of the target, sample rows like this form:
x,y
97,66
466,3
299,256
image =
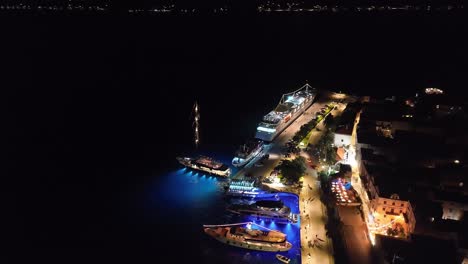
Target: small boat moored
x,y
283,258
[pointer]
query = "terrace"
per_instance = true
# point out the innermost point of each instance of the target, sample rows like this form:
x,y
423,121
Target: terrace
x,y
343,191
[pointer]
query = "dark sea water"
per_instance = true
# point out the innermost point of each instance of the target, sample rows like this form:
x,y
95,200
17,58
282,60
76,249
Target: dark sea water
x,y
97,108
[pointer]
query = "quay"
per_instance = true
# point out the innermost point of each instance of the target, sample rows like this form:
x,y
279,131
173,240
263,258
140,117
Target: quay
x,y
313,215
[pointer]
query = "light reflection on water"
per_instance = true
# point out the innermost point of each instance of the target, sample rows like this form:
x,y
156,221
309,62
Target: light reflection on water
x,y
194,199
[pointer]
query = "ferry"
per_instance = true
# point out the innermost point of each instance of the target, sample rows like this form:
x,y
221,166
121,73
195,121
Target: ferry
x,y
290,107
249,238
206,164
247,152
265,210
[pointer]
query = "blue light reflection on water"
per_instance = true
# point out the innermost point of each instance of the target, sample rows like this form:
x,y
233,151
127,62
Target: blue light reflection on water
x,y
291,230
193,199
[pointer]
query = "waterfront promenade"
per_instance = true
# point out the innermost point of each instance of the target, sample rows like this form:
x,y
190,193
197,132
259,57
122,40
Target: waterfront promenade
x,y
313,214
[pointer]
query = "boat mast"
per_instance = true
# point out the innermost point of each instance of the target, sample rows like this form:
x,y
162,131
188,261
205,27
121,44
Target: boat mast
x,y
196,124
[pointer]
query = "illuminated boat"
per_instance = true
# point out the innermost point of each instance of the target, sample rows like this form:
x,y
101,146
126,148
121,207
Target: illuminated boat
x,y
265,210
249,238
247,152
290,107
243,187
206,164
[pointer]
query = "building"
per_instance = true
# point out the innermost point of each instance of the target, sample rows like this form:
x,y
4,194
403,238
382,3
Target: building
x,y
343,136
417,249
412,166
393,213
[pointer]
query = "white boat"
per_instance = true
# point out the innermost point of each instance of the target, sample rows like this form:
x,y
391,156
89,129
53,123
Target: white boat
x,y
247,152
283,258
265,209
290,107
206,164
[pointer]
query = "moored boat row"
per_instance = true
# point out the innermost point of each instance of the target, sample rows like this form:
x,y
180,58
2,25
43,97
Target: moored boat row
x,y
250,235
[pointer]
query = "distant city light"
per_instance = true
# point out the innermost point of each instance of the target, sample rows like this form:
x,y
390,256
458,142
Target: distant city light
x,y
456,161
434,91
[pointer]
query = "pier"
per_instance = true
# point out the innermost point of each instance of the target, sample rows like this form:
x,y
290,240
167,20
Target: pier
x,y
316,247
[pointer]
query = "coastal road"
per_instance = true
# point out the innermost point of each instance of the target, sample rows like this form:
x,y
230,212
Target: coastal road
x,y
316,246
358,246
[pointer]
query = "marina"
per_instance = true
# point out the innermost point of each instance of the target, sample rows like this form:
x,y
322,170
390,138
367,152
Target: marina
x,y
245,198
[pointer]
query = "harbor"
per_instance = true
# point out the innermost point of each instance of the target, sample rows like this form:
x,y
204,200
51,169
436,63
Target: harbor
x,y
303,214
316,247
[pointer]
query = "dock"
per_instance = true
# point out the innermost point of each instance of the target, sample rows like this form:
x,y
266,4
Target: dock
x,y
313,214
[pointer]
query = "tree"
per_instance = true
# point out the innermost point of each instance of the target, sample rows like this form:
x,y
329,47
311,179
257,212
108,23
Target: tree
x,y
327,151
292,170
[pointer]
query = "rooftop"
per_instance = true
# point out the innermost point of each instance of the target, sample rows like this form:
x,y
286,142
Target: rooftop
x,y
349,115
457,197
385,111
419,249
346,130
369,156
370,137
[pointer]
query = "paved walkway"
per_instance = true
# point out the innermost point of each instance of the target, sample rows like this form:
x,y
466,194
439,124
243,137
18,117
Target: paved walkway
x,y
316,247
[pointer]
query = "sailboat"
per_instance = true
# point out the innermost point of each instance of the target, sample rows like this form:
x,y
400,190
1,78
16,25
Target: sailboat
x,y
203,163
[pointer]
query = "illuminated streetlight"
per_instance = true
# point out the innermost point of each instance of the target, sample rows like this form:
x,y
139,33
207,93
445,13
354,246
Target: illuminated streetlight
x,y
456,161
